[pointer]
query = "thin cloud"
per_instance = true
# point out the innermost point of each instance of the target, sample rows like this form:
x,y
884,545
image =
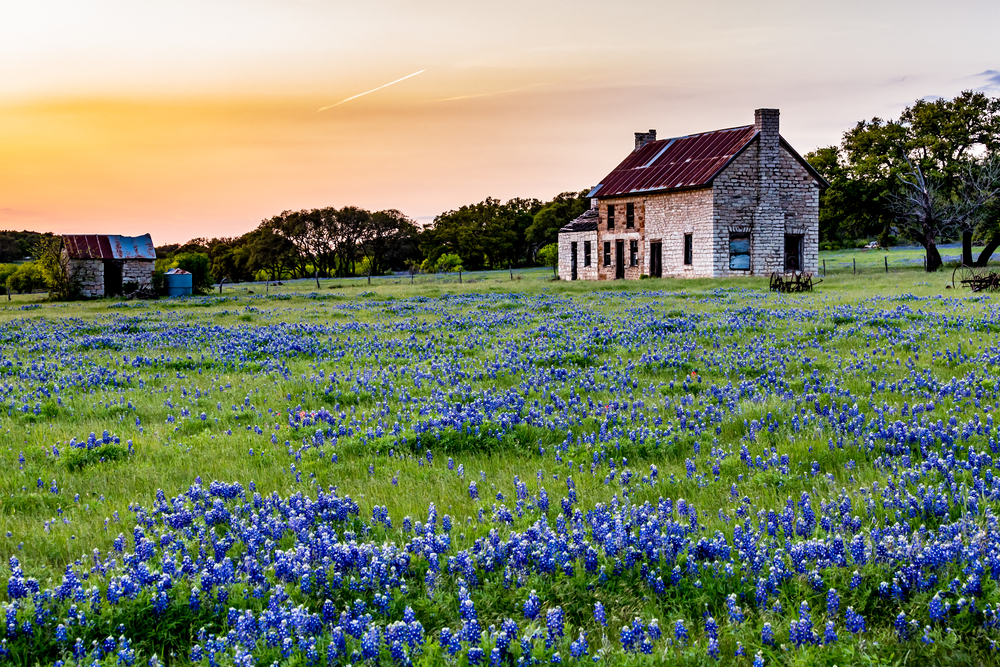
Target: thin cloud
x,y
369,91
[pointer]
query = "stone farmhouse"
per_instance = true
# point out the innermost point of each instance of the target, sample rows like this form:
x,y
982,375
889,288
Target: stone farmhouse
x,y
733,202
104,264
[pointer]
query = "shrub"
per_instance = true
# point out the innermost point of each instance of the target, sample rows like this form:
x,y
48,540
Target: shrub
x,y
26,278
449,262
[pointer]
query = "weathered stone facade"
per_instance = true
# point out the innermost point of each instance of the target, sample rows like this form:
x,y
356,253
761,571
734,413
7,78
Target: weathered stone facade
x,y
91,278
765,194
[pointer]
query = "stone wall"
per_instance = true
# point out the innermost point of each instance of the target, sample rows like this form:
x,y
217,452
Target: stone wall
x,y
789,206
669,217
89,275
566,240
623,233
137,271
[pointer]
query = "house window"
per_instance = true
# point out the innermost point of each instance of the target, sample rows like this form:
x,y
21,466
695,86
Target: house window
x,y
630,215
739,252
607,253
688,250
586,253
611,216
633,253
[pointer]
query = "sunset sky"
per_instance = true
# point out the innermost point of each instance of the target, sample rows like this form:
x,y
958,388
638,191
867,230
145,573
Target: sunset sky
x,y
200,118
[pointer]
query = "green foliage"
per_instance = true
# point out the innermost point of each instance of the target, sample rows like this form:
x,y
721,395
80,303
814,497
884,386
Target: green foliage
x,y
25,278
198,265
554,215
448,263
549,256
76,459
942,138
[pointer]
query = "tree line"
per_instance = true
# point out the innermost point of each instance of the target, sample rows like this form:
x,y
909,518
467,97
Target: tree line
x,y
930,176
351,241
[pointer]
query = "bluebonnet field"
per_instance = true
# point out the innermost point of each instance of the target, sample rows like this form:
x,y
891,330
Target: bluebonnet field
x,y
484,476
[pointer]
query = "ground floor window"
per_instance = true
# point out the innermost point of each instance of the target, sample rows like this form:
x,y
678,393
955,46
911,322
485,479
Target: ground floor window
x,y
688,249
607,253
633,253
739,252
586,253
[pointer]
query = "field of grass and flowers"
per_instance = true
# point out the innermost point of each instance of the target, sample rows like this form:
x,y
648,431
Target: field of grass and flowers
x,y
504,472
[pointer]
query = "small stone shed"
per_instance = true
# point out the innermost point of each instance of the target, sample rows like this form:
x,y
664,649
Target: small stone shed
x,y
732,202
103,264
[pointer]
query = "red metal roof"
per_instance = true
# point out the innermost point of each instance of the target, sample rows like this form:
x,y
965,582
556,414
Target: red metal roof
x,y
672,164
109,246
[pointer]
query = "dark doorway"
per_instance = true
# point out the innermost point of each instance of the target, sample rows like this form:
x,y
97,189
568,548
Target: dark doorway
x,y
656,259
573,261
619,259
793,252
112,278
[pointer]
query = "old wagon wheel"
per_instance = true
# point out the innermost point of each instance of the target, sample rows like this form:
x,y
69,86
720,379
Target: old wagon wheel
x,y
963,274
776,282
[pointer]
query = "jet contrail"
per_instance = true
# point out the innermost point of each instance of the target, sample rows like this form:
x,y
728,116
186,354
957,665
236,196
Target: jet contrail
x,y
368,91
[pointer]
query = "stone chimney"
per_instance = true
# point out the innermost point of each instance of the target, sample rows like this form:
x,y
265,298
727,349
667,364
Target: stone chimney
x,y
765,121
643,138
769,219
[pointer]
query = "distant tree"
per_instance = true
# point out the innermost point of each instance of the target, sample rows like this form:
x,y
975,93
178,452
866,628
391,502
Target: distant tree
x,y
10,249
941,139
303,230
26,278
553,216
448,263
387,230
165,251
549,256
490,234
198,265
270,252
54,267
6,271
929,208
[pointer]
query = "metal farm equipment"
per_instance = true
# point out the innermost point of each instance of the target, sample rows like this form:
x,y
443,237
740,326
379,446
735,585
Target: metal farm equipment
x,y
793,281
976,278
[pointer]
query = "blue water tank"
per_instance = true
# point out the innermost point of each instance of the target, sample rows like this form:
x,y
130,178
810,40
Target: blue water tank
x,y
178,282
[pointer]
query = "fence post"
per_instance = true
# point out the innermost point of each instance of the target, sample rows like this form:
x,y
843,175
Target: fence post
x,y
887,264
824,268
460,276
855,260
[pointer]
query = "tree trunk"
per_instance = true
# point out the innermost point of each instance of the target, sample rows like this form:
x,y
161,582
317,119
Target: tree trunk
x,y
933,257
967,247
316,276
988,251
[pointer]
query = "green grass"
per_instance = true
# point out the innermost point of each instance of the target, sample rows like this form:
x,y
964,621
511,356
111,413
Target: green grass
x,y
47,531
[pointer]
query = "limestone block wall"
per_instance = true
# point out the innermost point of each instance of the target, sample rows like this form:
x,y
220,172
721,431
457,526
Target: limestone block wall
x,y
137,271
669,217
623,233
566,240
89,274
741,205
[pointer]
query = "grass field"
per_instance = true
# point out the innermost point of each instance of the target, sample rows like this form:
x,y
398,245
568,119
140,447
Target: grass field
x,y
503,471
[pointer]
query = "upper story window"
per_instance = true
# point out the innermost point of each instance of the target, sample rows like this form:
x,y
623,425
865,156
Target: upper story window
x,y
630,215
611,216
739,252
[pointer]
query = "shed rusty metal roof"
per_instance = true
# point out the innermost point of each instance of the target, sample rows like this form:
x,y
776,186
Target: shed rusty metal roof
x,y
678,163
109,246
